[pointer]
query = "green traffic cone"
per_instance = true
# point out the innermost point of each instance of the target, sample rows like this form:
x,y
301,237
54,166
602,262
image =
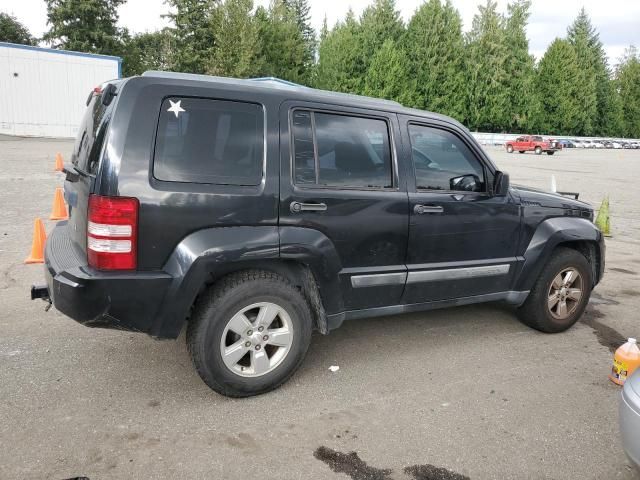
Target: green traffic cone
x,y
602,220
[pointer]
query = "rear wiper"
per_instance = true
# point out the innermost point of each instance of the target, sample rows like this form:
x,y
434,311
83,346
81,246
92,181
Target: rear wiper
x,y
73,175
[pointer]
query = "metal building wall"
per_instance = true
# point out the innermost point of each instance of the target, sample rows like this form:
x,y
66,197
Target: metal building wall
x,y
43,91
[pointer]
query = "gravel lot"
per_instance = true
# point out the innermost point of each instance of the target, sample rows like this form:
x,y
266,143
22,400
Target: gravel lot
x,y
469,389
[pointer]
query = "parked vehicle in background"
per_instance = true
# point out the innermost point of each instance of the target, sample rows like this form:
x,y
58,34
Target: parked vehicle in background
x,y
533,143
578,143
567,143
251,213
629,418
627,145
588,144
598,143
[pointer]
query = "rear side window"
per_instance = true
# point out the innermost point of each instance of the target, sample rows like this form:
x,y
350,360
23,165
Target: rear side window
x,y
340,150
209,141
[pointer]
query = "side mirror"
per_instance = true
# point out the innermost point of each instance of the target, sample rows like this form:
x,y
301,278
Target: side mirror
x,y
465,183
501,184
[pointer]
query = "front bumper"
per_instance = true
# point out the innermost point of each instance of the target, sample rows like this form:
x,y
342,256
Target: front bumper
x,y
120,300
629,417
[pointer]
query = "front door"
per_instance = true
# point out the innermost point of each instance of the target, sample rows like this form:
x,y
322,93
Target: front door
x,y
462,238
339,186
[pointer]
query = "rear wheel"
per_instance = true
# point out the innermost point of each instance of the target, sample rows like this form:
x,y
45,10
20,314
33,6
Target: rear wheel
x,y
561,293
249,333
520,151
538,151
509,148
550,153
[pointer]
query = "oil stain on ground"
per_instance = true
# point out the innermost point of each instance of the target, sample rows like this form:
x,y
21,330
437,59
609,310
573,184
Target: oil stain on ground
x,y
606,335
430,472
352,465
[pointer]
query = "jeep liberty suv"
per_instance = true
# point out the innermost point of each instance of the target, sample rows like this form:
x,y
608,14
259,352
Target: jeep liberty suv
x,y
252,212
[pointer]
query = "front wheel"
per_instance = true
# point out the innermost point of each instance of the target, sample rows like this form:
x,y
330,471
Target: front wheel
x,y
550,153
249,333
561,293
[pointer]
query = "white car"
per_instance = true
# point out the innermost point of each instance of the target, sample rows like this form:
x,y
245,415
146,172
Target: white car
x,y
598,143
578,143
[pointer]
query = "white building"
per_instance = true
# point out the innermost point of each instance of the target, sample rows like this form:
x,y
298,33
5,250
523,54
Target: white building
x,y
43,92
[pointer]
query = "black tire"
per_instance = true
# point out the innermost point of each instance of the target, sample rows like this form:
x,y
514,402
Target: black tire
x,y
535,312
550,153
212,314
509,148
538,151
521,151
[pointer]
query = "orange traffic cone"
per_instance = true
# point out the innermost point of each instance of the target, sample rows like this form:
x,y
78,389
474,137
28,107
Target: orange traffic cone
x,y
59,163
37,247
59,210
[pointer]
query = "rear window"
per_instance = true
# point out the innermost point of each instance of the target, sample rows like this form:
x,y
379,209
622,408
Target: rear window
x,y
209,141
336,150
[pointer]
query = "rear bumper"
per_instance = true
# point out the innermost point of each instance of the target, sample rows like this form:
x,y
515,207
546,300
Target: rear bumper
x,y
120,300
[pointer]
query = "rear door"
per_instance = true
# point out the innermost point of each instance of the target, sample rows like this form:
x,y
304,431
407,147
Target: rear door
x,y
462,239
339,179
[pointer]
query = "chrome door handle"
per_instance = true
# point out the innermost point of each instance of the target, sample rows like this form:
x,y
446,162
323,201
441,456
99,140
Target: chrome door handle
x,y
297,207
425,209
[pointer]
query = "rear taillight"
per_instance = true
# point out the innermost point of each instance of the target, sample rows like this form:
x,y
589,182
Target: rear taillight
x,y
112,232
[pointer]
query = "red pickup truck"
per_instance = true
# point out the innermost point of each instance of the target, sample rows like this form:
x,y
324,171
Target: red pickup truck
x,y
533,143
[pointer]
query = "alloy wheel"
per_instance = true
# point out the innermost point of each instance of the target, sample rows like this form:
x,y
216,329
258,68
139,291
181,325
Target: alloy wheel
x,y
256,339
565,293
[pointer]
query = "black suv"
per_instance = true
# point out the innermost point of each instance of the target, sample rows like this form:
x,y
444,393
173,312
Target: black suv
x,y
255,211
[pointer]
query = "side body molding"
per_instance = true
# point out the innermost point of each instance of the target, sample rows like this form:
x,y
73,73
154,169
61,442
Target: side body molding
x,y
203,252
548,235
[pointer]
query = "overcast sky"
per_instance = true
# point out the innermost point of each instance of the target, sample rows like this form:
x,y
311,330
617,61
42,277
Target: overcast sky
x,y
618,21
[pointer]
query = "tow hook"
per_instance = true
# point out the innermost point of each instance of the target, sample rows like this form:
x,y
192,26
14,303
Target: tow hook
x,y
41,291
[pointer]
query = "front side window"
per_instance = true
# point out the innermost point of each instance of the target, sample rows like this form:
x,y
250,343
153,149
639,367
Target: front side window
x,y
442,161
341,150
209,141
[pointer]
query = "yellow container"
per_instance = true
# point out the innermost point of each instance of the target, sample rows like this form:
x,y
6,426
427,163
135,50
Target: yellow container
x,y
625,361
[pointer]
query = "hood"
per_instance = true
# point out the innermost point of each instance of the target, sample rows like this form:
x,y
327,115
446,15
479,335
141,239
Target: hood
x,y
535,197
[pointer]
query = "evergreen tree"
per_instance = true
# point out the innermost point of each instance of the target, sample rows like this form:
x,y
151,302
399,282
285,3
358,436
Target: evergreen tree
x,y
302,13
339,58
519,67
283,51
379,22
434,46
194,36
236,52
628,80
487,77
147,51
12,31
557,89
388,74
84,25
582,36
